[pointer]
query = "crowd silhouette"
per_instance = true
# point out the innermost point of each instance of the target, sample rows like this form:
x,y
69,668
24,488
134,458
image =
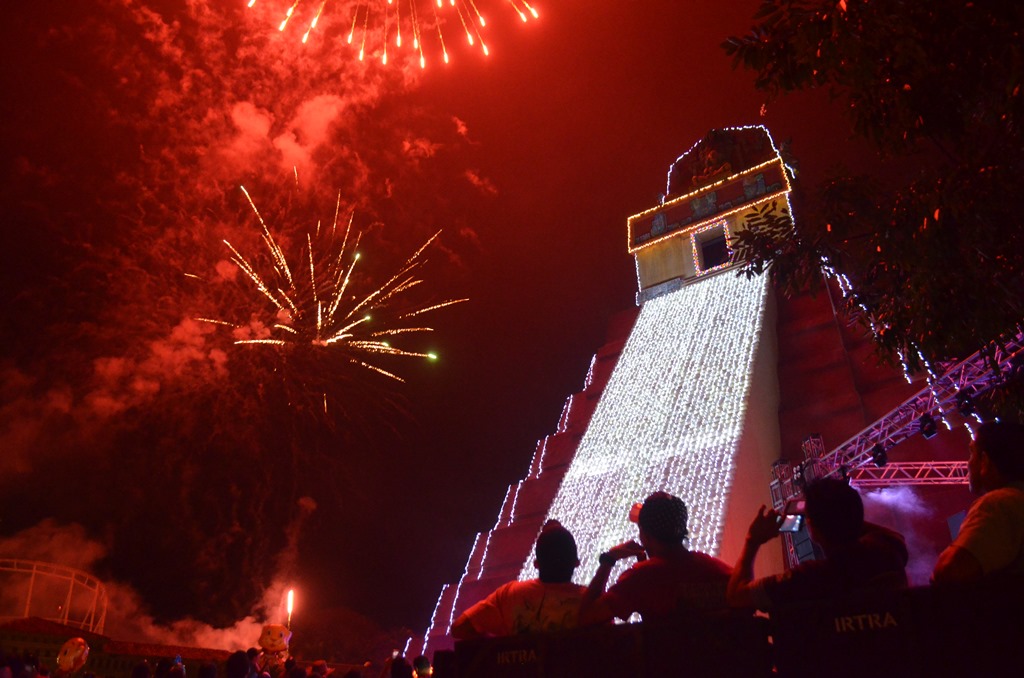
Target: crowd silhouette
x,y
850,609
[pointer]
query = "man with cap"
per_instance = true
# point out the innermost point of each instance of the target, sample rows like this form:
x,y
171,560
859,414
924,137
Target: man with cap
x,y
549,603
667,579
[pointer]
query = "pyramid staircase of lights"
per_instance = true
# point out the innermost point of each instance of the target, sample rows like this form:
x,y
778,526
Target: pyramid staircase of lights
x,y
697,391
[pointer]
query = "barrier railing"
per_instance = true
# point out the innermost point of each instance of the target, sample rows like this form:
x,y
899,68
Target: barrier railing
x,y
915,633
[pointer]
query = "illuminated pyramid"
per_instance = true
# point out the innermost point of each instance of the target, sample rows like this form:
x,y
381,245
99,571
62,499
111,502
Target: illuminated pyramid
x,y
687,402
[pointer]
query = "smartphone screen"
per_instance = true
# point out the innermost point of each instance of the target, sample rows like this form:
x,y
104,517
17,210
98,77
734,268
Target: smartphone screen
x,y
791,523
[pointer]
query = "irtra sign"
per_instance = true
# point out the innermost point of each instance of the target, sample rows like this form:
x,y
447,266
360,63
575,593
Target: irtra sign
x,y
517,657
865,622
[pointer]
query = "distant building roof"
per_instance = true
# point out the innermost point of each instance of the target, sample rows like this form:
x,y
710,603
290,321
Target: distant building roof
x,y
45,627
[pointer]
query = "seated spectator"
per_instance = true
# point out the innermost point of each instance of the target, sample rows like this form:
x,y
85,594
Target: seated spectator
x,y
669,578
238,665
401,668
421,667
549,603
858,555
253,653
991,538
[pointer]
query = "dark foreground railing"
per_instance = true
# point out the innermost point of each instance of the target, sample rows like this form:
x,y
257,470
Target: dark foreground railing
x,y
918,633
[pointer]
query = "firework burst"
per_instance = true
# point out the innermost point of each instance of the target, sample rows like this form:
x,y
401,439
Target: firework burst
x,y
314,318
377,26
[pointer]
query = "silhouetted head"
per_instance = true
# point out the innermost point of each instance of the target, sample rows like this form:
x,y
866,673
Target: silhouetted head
x,y
237,665
421,667
401,668
556,553
834,510
663,518
998,447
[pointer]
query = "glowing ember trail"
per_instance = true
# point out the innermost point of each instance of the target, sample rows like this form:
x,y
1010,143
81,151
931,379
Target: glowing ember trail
x,y
377,20
313,306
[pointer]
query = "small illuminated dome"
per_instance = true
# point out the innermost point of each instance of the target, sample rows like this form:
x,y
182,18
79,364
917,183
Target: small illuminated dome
x,y
710,191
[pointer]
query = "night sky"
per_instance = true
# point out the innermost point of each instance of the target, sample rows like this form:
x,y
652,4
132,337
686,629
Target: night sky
x,y
127,129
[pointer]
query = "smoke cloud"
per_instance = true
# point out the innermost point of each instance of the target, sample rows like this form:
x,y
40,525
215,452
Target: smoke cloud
x,y
127,616
902,509
32,414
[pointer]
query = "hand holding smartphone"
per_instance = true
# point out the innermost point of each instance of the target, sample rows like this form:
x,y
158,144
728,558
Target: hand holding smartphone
x,y
792,518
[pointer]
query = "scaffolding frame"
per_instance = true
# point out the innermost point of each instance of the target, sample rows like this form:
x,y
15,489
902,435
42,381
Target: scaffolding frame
x,y
910,473
943,399
92,618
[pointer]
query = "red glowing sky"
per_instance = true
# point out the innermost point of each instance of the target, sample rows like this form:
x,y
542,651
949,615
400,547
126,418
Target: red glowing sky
x,y
127,127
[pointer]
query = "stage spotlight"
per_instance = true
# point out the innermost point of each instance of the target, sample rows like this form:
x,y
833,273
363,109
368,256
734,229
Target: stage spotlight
x,y
879,455
927,426
965,403
798,476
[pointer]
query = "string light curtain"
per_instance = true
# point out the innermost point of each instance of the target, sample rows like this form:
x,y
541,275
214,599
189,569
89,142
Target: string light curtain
x,y
670,419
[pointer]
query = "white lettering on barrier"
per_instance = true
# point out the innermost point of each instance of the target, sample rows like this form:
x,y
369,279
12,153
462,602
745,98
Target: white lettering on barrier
x,y
517,656
865,622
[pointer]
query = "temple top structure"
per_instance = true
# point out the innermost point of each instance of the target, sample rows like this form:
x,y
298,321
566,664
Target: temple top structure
x,y
710,190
